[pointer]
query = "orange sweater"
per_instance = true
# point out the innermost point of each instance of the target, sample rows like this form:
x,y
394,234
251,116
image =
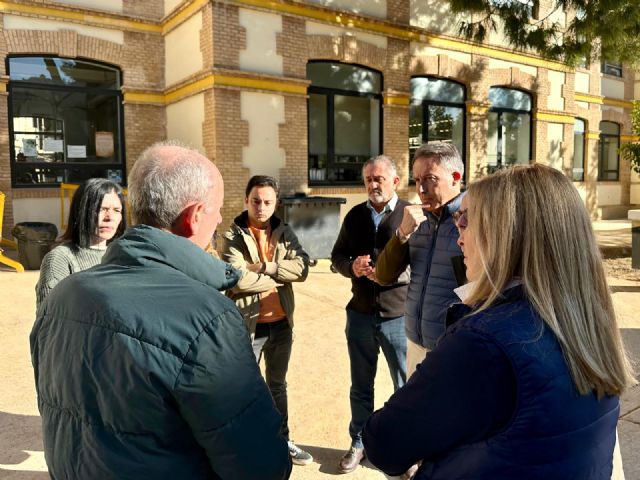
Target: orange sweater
x,y
270,307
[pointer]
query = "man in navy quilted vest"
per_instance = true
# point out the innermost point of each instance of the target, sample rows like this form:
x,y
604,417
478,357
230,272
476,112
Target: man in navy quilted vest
x,y
427,240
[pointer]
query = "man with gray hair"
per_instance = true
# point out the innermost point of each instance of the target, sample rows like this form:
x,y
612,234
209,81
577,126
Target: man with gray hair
x,y
143,368
426,240
375,313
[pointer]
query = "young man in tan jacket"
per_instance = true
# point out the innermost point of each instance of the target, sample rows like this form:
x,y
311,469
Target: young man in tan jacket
x,y
270,258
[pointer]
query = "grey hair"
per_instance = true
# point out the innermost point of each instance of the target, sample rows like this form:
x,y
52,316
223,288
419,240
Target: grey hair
x,y
160,187
446,154
391,165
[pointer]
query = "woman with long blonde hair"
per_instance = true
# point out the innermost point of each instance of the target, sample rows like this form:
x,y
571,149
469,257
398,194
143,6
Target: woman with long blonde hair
x,y
525,383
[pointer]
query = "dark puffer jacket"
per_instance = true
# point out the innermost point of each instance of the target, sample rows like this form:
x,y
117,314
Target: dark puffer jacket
x,y
495,400
145,371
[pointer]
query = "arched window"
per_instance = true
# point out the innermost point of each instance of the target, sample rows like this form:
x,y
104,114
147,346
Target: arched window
x,y
608,159
65,121
436,113
578,150
345,126
509,136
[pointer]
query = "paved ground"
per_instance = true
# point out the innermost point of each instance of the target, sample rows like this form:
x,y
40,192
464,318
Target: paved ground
x,y
318,380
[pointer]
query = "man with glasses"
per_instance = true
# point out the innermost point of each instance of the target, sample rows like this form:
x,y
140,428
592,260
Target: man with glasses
x,y
375,313
426,240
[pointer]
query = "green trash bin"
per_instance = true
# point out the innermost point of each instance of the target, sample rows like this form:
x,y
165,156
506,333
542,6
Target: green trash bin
x,y
35,239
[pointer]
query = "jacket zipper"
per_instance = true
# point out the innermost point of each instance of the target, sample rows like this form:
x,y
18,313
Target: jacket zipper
x,y
426,277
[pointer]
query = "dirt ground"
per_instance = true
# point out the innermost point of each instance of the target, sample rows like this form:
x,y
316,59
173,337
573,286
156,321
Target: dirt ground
x,y
621,268
318,378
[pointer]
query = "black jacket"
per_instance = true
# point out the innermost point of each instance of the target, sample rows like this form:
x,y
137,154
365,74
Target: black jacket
x,y
145,371
358,236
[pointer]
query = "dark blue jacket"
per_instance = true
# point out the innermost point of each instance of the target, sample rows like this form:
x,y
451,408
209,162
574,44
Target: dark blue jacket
x,y
145,371
432,277
495,400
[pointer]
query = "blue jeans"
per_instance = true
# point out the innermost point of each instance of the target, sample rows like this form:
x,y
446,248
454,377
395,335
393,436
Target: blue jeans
x,y
275,341
366,334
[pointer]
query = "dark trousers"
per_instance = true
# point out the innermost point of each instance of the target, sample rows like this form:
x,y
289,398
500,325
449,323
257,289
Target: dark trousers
x,y
275,340
366,335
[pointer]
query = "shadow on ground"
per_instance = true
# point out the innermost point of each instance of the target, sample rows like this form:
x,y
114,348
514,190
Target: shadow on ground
x,y
21,434
328,459
625,288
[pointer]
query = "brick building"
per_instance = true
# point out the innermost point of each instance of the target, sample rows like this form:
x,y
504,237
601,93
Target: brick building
x,y
302,90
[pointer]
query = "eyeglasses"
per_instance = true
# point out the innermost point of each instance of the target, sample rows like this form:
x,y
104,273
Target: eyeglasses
x,y
460,219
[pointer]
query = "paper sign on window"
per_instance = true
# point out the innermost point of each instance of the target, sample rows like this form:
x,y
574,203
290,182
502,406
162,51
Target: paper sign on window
x,y
52,145
29,147
76,151
104,144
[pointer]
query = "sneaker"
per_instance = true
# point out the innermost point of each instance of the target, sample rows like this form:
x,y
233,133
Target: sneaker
x,y
299,456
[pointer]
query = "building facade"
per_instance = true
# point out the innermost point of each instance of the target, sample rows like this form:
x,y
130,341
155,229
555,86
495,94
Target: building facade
x,y
301,90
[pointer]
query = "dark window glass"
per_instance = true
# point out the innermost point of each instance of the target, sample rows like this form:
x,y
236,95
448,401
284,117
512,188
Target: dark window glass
x,y
578,150
436,113
66,121
63,71
509,98
608,158
611,68
340,76
509,133
344,121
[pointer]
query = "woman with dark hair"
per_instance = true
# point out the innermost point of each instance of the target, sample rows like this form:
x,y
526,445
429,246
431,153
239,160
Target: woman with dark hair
x,y
96,217
525,382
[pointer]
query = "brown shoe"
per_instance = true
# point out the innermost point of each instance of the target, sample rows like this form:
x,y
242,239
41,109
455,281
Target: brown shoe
x,y
350,460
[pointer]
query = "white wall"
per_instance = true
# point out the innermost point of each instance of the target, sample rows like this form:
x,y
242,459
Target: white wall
x,y
582,82
263,113
169,5
314,28
37,210
109,5
185,119
493,63
556,82
582,190
612,87
373,8
14,22
609,195
635,188
260,54
558,16
182,50
420,49
555,137
435,16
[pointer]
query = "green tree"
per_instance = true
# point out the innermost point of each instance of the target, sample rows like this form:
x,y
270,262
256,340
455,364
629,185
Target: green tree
x,y
631,151
595,29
